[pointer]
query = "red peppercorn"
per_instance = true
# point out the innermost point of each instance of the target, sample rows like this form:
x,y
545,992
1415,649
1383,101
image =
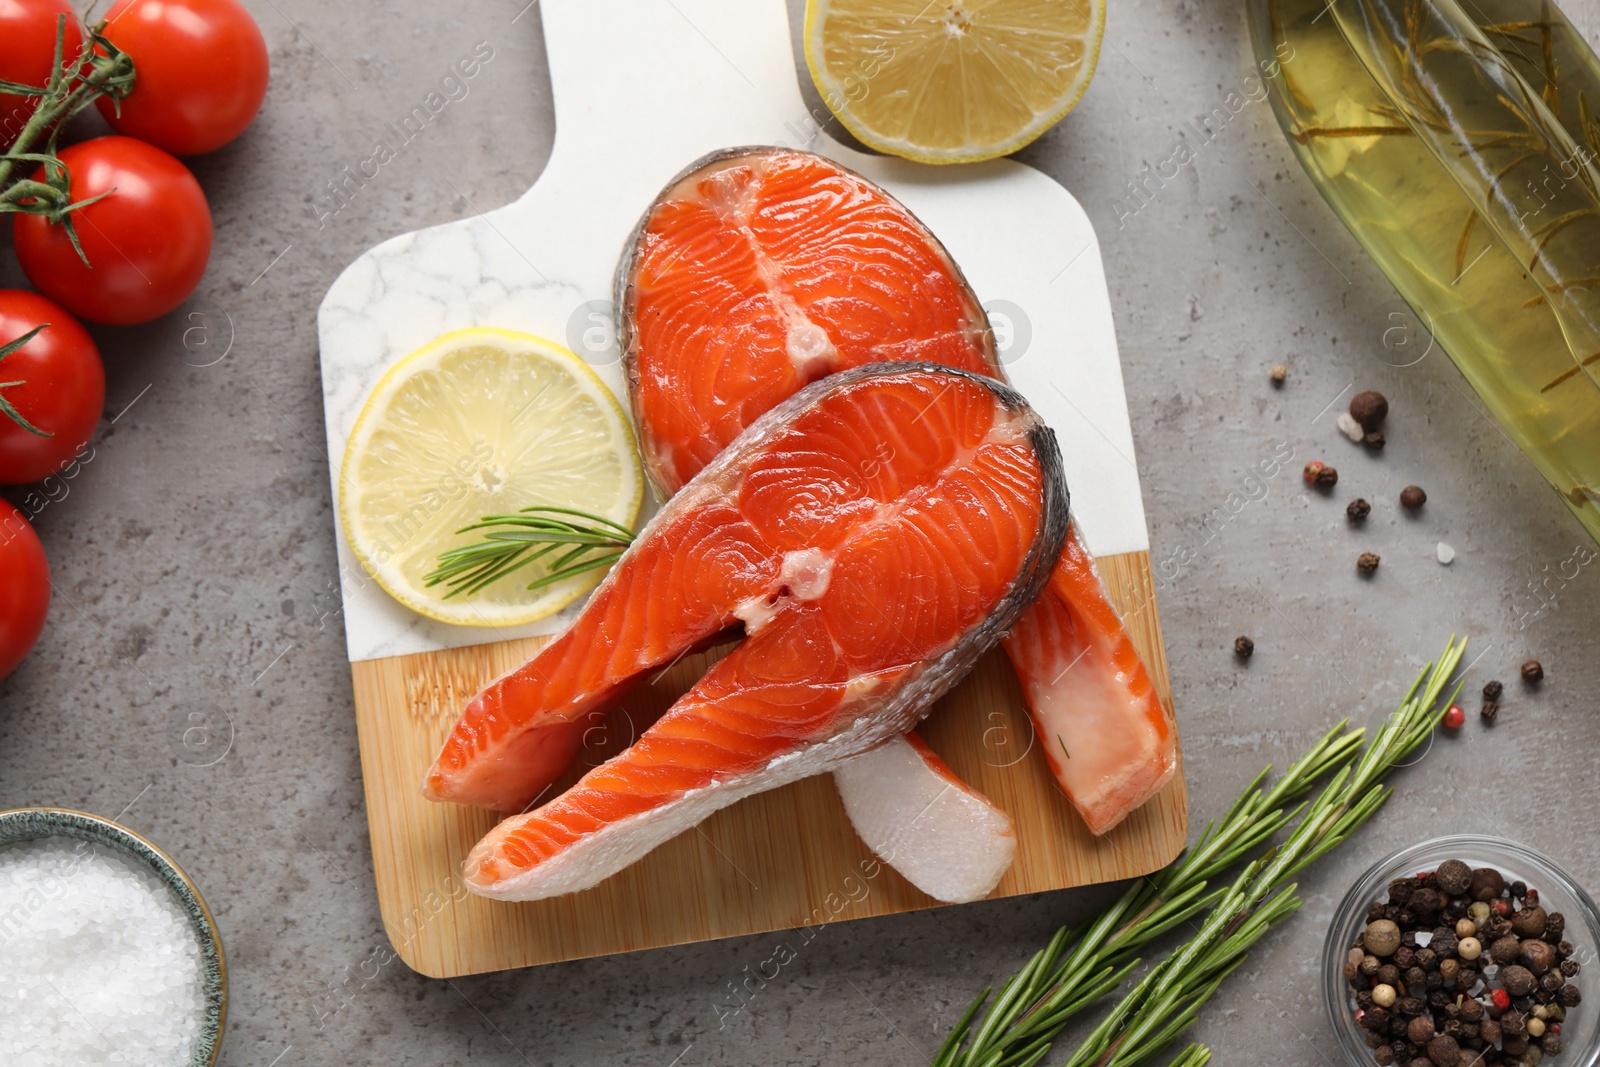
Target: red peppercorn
x,y
1502,999
1313,469
1501,907
1532,897
1554,1028
1454,717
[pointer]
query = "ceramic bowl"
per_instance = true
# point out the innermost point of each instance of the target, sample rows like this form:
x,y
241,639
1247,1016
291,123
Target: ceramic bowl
x,y
28,824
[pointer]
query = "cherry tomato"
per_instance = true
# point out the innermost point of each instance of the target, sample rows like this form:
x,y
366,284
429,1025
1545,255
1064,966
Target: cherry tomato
x,y
63,388
24,588
147,242
201,72
27,50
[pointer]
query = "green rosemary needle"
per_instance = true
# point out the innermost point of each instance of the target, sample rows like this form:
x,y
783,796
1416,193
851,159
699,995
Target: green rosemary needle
x,y
534,533
1081,965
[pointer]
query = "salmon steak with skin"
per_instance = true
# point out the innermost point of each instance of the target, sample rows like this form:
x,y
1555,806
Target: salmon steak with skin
x,y
867,582
758,270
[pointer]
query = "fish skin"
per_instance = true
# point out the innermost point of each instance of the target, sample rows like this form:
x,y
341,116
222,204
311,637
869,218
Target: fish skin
x,y
507,746
1093,662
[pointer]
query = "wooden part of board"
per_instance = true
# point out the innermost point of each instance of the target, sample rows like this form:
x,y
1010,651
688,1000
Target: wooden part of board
x,y
780,860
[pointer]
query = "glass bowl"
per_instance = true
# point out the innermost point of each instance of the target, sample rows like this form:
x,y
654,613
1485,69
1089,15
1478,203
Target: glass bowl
x,y
28,824
1580,1033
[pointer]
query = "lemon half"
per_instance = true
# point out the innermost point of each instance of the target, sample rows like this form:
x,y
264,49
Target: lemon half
x,y
482,422
952,81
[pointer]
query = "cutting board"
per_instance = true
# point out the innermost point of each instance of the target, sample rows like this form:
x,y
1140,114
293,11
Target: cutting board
x,y
642,88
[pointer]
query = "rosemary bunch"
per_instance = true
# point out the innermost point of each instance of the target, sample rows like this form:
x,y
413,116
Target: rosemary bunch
x,y
1079,966
514,541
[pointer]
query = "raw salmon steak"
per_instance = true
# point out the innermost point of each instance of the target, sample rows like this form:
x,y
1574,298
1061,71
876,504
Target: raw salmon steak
x,y
867,579
760,269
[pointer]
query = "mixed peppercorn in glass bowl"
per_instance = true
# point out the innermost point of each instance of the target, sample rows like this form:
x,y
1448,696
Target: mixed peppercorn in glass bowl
x,y
1465,952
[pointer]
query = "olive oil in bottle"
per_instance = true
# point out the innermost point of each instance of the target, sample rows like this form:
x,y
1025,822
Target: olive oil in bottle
x,y
1461,154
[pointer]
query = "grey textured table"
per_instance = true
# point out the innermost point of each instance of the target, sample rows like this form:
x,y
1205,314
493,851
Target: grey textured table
x,y
193,561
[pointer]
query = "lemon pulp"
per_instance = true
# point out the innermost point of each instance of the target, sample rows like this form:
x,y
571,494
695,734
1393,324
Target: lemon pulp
x,y
481,422
950,81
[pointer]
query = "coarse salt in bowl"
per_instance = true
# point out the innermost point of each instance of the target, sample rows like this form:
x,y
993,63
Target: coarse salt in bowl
x,y
107,951
1580,1032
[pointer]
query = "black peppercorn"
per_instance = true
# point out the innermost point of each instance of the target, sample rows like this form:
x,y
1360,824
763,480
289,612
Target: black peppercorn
x,y
1569,968
1369,409
1550,1044
1374,440
1489,712
1419,1031
1376,1018
1569,996
1495,928
1555,924
1443,943
1537,956
1427,959
1435,980
1413,1005
1412,497
1552,981
1357,510
1425,901
1529,922
1517,980
1364,998
1532,671
1244,648
1492,689
1443,1051
1513,1023
1388,974
1504,950
1327,478
1439,1000
1471,1010
1454,877
1487,884
1416,979
1489,1030
1514,1045
1368,562
1404,957
1383,1056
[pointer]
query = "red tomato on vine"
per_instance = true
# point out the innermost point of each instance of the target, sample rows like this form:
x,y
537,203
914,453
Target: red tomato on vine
x,y
52,389
146,240
201,72
27,52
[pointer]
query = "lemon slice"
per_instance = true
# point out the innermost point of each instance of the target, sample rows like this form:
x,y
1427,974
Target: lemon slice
x,y
482,422
952,81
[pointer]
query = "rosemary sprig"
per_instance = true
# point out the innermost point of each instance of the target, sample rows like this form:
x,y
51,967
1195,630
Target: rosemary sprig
x,y
1079,966
514,541
1150,1017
